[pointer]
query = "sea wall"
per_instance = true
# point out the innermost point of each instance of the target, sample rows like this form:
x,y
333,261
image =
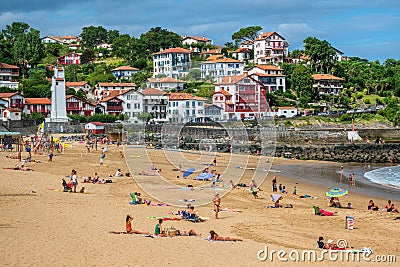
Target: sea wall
x,y
365,153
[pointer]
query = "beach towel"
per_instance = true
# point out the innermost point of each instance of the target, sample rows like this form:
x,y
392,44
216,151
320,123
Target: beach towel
x,y
209,239
204,176
164,218
229,210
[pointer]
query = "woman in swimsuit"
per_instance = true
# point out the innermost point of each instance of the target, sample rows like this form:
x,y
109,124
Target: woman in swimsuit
x,y
129,229
217,203
216,237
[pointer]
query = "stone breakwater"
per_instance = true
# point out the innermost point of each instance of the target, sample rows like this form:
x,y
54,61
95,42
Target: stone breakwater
x,y
363,153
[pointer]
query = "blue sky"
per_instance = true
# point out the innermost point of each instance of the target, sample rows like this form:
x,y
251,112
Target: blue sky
x,y
367,29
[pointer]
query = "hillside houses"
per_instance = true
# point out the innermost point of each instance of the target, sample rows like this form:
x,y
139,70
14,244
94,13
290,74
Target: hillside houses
x,y
270,47
9,75
172,62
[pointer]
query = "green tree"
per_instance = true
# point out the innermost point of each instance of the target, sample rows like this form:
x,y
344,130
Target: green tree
x,y
112,35
302,83
71,72
92,36
38,117
157,38
11,32
87,56
321,54
246,34
144,117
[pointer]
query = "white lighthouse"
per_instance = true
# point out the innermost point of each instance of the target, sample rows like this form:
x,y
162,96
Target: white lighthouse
x,y
58,106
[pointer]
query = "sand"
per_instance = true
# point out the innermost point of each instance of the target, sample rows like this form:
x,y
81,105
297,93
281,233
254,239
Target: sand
x,y
44,227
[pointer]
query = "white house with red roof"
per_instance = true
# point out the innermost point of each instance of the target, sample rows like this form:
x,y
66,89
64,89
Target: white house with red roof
x,y
240,96
94,127
39,105
327,84
270,76
13,114
14,100
85,86
190,40
166,83
241,54
9,75
286,112
104,89
172,62
270,44
112,103
68,59
155,102
124,72
184,107
132,104
221,67
78,106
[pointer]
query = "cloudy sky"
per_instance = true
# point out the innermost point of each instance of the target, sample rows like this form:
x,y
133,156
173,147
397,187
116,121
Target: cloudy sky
x,y
363,28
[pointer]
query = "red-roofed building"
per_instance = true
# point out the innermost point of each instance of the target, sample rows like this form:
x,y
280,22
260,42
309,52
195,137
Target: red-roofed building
x,y
155,102
85,86
184,107
39,105
166,83
327,84
190,40
15,100
241,54
71,58
221,67
240,96
270,76
124,72
270,44
104,89
78,106
9,75
94,127
173,62
113,104
13,114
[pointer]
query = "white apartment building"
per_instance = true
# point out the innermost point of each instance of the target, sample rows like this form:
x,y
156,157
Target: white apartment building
x,y
173,62
270,47
9,75
184,108
221,67
270,76
155,102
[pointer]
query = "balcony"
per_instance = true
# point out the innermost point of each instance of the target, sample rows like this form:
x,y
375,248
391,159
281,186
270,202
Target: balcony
x,y
114,108
73,108
17,105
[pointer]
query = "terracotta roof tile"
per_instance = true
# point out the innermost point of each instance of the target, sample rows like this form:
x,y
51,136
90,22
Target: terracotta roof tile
x,y
224,60
117,84
126,68
326,77
37,101
165,80
7,95
267,67
184,96
174,50
197,38
153,91
73,84
7,66
232,79
224,92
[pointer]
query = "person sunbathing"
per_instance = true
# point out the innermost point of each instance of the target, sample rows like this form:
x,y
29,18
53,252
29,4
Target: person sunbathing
x,y
129,229
371,206
146,173
193,214
388,205
214,236
393,208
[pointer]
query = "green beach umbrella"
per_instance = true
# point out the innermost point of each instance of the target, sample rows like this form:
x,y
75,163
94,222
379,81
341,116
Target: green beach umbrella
x,y
336,192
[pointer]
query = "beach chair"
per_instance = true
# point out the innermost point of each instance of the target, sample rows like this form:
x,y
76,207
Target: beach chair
x,y
317,212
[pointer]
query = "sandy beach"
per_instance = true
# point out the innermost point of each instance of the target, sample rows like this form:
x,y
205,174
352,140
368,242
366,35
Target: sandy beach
x,y
42,226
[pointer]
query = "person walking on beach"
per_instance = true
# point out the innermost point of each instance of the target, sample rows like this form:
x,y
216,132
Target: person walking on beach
x,y
295,191
274,187
102,157
217,203
215,161
341,174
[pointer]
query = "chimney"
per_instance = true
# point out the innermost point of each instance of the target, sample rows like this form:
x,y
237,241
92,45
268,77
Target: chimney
x,y
230,79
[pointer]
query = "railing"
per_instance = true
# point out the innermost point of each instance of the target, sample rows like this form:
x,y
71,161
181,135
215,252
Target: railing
x,y
114,108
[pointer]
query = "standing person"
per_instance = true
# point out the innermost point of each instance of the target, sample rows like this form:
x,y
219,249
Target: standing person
x,y
274,188
353,180
295,191
102,157
74,180
51,155
215,161
341,173
350,180
217,203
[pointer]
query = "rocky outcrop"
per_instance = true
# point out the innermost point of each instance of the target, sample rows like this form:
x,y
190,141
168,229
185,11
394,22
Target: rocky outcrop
x,y
365,153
